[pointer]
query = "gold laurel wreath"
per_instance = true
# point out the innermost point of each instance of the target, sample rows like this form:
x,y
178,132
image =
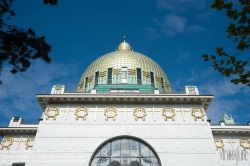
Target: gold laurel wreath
x,y
201,116
244,140
107,110
48,114
218,140
10,141
78,110
144,113
164,113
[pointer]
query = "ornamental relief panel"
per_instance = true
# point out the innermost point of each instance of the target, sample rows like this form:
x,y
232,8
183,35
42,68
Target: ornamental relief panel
x,y
232,144
111,112
7,142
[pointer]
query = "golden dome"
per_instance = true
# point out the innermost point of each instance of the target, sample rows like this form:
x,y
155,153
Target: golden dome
x,y
124,58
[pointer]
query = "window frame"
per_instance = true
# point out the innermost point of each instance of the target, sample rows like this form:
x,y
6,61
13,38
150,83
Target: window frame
x,y
124,137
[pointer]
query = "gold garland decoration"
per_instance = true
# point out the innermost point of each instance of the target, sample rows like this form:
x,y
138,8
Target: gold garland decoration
x,y
117,72
167,86
131,71
220,145
164,113
242,143
139,110
158,80
10,141
48,114
27,142
80,86
78,110
103,73
146,74
200,116
90,79
108,110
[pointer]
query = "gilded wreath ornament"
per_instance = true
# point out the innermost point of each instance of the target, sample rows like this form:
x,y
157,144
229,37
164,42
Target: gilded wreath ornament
x,y
27,142
140,112
48,113
219,143
200,114
110,112
172,113
79,110
7,142
244,143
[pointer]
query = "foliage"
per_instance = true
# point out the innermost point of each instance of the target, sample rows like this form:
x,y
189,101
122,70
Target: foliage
x,y
17,45
228,64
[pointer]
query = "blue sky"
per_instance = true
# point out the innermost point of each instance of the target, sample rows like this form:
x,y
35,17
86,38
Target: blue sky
x,y
173,33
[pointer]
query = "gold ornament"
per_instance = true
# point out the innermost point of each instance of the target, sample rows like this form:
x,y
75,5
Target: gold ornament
x,y
244,143
146,74
200,115
7,142
131,71
78,110
103,73
158,80
117,72
110,112
140,112
219,143
27,142
90,79
48,113
168,109
80,86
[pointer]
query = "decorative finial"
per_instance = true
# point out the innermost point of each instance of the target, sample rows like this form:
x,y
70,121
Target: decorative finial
x,y
124,38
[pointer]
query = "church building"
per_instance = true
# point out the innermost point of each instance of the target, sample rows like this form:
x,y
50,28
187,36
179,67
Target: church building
x,y
124,113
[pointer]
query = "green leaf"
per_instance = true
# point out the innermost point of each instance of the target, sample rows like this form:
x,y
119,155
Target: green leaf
x,y
213,57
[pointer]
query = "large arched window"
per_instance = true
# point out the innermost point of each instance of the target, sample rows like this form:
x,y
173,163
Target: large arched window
x,y
125,151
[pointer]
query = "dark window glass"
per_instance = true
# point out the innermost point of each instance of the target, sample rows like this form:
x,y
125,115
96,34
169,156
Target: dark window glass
x,y
109,75
162,83
86,82
96,78
18,164
152,79
138,71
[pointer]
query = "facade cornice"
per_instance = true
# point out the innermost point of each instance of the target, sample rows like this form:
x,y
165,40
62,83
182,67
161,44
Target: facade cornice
x,y
113,98
18,130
